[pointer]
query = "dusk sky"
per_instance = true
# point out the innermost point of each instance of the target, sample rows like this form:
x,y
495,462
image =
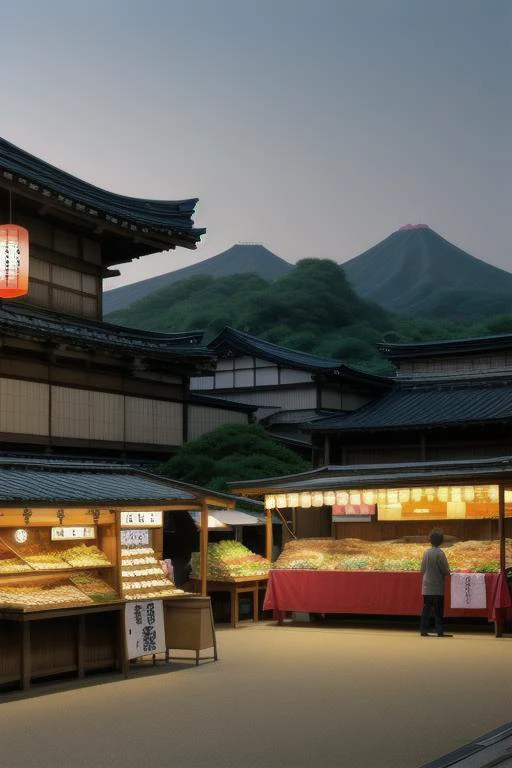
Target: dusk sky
x,y
314,127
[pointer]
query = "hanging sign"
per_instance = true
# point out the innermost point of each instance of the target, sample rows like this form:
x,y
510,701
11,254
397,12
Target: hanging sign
x,y
141,519
144,624
67,532
468,590
137,538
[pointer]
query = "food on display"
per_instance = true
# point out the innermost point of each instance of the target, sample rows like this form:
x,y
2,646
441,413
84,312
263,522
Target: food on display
x,y
58,593
33,557
397,555
94,587
143,577
45,561
85,555
230,559
13,565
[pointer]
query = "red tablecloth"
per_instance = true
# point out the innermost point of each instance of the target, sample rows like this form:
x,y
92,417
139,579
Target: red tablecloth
x,y
390,593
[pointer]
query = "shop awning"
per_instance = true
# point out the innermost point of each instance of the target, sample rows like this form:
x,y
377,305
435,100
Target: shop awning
x,y
228,519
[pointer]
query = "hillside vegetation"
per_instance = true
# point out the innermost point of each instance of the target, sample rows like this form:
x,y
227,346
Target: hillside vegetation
x,y
312,308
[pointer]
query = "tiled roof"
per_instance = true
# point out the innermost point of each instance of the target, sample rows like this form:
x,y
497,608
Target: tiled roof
x,y
66,483
384,476
101,335
448,347
231,340
423,407
169,220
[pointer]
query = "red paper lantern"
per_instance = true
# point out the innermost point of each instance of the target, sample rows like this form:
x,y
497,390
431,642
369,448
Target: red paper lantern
x,y
13,261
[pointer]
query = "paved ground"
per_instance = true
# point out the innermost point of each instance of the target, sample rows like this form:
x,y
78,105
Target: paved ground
x,y
332,696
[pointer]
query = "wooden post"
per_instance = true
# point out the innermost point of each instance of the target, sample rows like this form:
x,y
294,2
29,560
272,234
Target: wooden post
x,y
203,548
501,525
268,534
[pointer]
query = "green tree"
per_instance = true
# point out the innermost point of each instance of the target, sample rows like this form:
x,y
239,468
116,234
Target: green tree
x,y
230,453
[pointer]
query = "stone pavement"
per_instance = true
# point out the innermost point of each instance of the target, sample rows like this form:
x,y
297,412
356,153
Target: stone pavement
x,y
341,695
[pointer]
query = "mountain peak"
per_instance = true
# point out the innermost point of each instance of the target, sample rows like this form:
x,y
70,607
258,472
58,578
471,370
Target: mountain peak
x,y
412,226
238,259
416,271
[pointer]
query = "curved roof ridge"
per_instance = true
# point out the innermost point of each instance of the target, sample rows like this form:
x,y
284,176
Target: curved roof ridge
x,y
246,343
102,334
162,215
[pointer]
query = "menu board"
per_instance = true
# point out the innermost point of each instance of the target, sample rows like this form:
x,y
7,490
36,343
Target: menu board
x,y
145,631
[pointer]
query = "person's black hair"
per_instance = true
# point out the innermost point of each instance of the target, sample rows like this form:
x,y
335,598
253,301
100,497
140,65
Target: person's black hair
x,y
436,537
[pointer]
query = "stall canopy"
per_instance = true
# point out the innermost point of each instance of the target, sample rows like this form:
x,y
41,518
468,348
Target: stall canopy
x,y
57,485
228,518
327,486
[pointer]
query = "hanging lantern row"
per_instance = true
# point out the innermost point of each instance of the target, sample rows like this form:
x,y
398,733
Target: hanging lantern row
x,y
384,496
13,261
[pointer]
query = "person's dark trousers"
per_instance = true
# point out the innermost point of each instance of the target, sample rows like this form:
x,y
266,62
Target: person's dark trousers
x,y
433,603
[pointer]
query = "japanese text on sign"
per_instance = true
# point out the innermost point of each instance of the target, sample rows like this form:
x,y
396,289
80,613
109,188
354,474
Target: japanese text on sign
x,y
145,632
138,538
66,532
141,519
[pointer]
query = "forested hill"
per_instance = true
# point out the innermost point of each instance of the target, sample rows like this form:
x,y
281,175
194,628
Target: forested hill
x,y
240,258
311,308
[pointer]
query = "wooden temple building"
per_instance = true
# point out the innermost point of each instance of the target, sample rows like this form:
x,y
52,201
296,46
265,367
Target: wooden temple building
x,y
287,388
448,400
70,384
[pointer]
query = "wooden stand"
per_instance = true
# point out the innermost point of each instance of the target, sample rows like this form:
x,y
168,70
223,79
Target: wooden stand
x,y
189,626
236,587
45,643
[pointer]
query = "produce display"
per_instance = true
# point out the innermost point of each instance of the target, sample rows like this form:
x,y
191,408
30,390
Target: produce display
x,y
230,559
142,576
397,555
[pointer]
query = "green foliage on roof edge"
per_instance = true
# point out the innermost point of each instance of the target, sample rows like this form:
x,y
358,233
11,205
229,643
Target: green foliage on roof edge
x,y
312,308
229,453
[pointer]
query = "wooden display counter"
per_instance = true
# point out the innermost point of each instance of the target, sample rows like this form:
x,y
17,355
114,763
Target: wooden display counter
x,y
38,643
235,586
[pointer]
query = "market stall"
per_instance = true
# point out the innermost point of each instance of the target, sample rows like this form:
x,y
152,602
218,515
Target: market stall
x,y
234,569
60,608
380,517
82,587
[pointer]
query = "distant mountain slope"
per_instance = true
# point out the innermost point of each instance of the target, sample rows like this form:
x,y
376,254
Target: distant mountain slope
x,y
238,259
415,271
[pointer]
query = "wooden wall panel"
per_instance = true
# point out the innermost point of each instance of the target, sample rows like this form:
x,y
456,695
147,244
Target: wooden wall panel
x,y
39,269
153,421
70,413
106,416
65,301
69,278
203,419
23,407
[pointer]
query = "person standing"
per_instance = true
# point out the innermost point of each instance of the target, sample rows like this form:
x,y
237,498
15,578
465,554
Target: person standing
x,y
434,568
